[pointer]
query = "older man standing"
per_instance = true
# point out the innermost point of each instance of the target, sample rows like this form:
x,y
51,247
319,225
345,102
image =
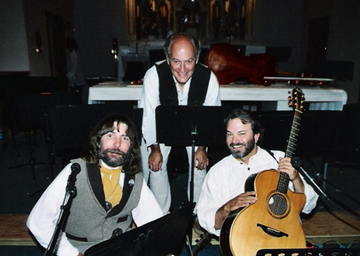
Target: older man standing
x,y
178,80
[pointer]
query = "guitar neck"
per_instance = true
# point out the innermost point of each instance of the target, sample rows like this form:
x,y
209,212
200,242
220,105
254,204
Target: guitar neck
x,y
294,132
290,149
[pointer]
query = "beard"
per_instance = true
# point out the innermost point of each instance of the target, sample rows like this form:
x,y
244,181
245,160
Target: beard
x,y
112,161
248,147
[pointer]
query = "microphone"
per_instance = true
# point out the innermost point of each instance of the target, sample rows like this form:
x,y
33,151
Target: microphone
x,y
297,164
75,170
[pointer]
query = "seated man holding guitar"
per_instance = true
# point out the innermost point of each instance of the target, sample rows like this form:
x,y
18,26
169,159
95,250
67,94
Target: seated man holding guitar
x,y
239,195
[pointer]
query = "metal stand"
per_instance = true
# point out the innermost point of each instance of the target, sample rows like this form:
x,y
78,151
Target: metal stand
x,y
65,209
191,126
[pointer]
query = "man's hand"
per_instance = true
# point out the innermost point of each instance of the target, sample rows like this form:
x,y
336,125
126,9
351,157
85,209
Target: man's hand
x,y
201,158
155,158
242,200
285,166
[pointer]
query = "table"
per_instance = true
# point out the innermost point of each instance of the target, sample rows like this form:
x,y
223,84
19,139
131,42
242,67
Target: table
x,y
277,95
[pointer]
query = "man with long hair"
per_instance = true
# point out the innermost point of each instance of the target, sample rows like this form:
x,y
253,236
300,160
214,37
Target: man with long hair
x,y
111,192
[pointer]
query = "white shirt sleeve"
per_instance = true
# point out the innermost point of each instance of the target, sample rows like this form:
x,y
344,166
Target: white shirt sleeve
x,y
42,223
208,205
148,208
150,99
310,194
213,92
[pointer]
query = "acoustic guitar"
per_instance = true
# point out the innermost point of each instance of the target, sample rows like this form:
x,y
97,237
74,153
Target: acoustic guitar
x,y
273,221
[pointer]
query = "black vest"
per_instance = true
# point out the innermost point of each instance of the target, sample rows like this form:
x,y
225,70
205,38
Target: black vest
x,y
198,86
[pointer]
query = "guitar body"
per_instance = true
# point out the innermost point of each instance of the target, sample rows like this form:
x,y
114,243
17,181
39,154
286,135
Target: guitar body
x,y
224,238
272,222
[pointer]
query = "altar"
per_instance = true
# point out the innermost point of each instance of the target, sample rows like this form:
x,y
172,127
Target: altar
x,y
274,97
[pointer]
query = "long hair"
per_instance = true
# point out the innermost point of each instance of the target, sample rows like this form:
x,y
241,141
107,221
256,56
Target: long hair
x,y
169,40
91,152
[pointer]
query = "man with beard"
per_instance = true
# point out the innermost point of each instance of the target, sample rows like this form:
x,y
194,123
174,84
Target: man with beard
x,y
223,190
111,192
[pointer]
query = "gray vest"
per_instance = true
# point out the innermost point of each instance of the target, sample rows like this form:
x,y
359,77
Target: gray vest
x,y
89,223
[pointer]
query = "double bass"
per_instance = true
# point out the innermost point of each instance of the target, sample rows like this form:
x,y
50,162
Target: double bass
x,y
229,65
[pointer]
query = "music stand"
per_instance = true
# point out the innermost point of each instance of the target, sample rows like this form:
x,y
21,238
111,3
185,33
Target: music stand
x,y
191,126
164,236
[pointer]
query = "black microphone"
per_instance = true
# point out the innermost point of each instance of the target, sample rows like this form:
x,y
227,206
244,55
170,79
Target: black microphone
x,y
75,170
296,162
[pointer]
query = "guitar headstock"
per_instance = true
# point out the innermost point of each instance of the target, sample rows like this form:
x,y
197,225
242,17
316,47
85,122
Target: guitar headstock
x,y
297,99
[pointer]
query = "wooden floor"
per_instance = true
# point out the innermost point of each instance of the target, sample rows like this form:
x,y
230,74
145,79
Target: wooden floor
x,y
322,227
338,226
13,230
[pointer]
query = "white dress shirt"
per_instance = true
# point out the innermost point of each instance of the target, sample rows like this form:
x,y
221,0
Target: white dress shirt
x,y
226,180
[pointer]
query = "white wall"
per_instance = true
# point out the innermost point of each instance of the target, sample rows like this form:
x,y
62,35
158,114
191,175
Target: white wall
x,y
13,41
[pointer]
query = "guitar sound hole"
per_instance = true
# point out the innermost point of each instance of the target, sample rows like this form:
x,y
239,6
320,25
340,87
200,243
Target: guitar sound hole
x,y
278,204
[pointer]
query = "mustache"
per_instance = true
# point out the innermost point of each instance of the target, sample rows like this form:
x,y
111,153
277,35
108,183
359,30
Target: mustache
x,y
237,144
114,151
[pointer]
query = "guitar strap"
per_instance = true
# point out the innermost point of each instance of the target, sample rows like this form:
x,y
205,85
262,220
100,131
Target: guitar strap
x,y
271,154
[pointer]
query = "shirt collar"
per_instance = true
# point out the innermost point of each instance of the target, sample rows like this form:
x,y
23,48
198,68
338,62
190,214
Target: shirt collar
x,y
106,166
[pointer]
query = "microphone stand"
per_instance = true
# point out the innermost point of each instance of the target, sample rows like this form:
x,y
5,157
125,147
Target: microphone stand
x,y
194,132
338,190
297,164
71,193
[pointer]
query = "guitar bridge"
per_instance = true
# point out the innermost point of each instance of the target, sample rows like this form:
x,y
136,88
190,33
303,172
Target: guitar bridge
x,y
272,232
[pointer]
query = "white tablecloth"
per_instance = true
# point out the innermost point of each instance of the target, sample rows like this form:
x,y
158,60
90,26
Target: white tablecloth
x,y
319,98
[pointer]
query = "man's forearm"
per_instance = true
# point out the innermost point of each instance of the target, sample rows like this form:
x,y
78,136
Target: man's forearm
x,y
220,216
